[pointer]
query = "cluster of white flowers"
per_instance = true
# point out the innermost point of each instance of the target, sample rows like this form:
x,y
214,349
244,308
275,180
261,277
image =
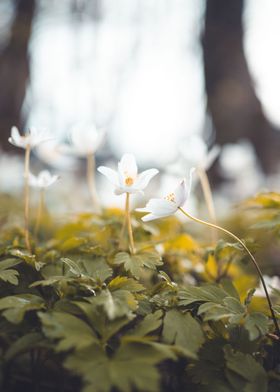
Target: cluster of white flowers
x,y
126,178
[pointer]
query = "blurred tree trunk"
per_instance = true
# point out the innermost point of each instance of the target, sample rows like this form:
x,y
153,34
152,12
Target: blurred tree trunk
x,y
14,70
232,103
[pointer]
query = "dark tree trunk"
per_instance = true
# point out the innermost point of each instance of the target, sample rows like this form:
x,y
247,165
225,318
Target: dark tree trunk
x,y
14,70
232,103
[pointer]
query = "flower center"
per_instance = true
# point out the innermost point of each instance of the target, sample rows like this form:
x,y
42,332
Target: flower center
x,y
170,197
129,181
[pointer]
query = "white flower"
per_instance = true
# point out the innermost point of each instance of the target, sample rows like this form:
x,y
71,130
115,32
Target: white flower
x,y
84,141
32,138
51,154
195,152
127,179
160,208
43,180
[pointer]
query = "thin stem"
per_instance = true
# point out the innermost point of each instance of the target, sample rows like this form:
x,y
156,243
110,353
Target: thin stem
x,y
251,256
91,181
129,226
26,197
40,211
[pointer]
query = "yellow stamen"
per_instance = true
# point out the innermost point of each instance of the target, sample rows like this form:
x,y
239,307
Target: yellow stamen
x,y
129,181
170,197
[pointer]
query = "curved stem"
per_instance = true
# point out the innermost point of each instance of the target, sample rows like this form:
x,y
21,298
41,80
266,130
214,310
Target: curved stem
x,y
249,253
91,181
129,226
26,197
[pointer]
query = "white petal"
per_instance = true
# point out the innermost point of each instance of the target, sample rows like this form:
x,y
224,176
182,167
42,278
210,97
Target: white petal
x,y
33,181
211,157
160,207
15,134
144,178
127,166
111,175
182,192
150,217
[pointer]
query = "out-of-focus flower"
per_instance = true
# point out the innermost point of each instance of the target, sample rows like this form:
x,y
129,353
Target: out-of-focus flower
x,y
43,180
84,141
160,208
32,138
127,179
272,282
49,153
196,154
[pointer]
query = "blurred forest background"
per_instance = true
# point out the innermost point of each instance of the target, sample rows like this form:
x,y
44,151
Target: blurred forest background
x,y
149,71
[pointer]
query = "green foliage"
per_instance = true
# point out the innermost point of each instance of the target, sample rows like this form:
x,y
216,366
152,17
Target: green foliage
x,y
91,316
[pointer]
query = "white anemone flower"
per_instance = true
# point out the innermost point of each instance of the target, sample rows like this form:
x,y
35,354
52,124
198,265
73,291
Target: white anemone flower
x,y
31,139
195,153
127,179
160,208
84,141
43,180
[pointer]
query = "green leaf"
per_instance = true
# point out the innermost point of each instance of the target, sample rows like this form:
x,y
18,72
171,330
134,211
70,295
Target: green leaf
x,y
117,304
149,324
132,367
14,307
248,368
130,264
72,243
10,275
207,293
73,267
97,268
135,263
257,324
68,329
122,282
184,331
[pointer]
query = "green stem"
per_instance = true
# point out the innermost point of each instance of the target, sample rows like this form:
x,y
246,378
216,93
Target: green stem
x,y
26,197
249,253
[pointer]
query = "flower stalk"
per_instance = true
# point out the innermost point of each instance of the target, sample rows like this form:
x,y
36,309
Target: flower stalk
x,y
26,197
251,257
129,226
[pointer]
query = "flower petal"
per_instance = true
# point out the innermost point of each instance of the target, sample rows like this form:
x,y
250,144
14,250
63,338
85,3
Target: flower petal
x,y
150,217
111,175
211,157
182,192
127,166
144,178
159,207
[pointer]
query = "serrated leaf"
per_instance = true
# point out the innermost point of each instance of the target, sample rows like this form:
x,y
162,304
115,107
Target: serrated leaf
x,y
68,329
122,282
116,304
257,324
130,264
184,331
207,293
14,307
149,324
73,267
10,275
97,268
133,366
248,368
